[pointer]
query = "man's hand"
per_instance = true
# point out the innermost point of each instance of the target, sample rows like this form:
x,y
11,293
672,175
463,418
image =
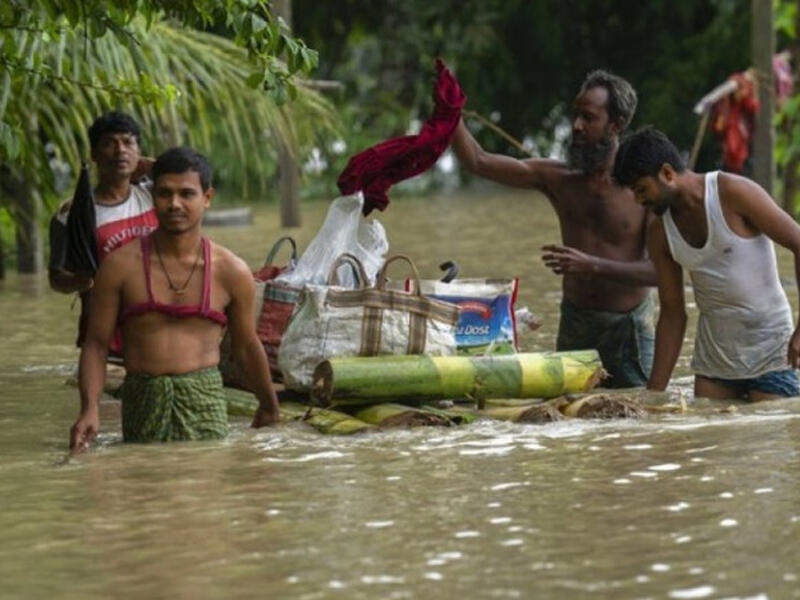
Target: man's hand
x,y
84,431
793,354
563,259
68,282
143,168
265,415
83,282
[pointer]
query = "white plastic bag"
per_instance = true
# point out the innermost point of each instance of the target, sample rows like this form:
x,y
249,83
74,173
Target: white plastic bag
x,y
344,231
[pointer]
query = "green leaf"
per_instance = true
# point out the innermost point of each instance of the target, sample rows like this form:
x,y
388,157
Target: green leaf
x,y
310,59
258,24
279,94
255,79
9,142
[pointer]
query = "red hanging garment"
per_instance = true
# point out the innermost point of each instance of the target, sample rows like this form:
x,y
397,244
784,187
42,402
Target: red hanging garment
x,y
376,169
734,122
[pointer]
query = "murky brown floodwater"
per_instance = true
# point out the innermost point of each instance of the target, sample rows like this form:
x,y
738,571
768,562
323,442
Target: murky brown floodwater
x,y
701,505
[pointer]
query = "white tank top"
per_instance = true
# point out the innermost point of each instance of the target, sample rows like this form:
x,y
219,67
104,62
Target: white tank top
x,y
745,319
122,223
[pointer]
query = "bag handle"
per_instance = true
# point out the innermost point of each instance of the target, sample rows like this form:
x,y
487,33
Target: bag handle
x,y
277,246
358,270
381,279
451,269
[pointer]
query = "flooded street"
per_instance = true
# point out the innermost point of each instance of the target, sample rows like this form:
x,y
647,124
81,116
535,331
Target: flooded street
x,y
696,505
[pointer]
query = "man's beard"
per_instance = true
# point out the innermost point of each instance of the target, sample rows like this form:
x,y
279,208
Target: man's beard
x,y
590,157
659,209
666,199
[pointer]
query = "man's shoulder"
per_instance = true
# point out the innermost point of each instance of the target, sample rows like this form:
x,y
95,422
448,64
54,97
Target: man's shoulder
x,y
551,168
570,184
561,172
227,258
119,264
143,189
733,184
231,269
140,197
124,253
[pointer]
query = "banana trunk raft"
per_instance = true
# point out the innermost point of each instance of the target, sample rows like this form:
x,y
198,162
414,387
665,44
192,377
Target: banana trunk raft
x,y
362,419
357,395
371,380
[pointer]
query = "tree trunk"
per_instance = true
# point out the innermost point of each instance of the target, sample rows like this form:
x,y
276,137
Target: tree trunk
x,y
28,233
287,162
289,187
763,47
25,207
791,178
2,260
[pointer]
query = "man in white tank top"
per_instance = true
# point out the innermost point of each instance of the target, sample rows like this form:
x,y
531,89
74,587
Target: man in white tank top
x,y
720,227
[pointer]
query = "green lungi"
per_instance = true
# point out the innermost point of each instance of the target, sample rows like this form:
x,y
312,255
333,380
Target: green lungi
x,y
162,408
625,341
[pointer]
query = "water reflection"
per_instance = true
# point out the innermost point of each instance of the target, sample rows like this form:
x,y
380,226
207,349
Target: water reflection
x,y
680,506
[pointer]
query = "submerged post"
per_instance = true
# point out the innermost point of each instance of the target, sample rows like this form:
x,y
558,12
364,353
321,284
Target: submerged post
x,y
287,161
763,48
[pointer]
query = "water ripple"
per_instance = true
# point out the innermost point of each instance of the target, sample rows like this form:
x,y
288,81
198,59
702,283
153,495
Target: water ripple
x,y
308,457
703,591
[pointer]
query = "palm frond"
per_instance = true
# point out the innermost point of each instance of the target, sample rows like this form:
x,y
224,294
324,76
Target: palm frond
x,y
213,109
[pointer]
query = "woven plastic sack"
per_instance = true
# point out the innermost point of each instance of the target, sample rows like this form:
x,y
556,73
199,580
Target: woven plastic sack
x,y
265,318
333,321
278,300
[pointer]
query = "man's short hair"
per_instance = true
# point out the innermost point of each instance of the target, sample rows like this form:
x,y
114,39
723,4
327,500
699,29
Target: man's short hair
x,y
180,160
112,122
622,98
642,154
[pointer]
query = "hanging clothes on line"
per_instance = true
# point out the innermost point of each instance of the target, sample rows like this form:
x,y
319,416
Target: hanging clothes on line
x,y
733,120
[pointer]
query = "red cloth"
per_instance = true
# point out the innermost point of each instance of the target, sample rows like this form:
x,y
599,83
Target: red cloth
x,y
376,169
734,122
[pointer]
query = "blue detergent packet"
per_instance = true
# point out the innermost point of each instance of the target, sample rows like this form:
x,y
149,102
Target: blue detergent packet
x,y
486,312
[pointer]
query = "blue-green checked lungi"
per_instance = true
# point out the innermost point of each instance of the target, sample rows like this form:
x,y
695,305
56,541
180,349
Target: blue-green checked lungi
x,y
625,341
161,408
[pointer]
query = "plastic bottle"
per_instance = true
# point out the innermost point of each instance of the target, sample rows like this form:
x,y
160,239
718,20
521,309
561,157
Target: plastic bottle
x,y
526,320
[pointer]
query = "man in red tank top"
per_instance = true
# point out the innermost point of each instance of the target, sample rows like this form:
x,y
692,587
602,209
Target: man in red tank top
x,y
173,292
123,208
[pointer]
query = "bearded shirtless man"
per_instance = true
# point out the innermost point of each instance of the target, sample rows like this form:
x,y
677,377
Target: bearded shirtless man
x,y
607,302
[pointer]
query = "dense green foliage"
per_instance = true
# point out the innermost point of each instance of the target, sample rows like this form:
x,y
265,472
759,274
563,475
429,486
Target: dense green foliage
x,y
787,119
29,27
522,62
63,62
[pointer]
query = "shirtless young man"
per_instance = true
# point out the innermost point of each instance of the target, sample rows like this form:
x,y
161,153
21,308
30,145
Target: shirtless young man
x,y
123,209
720,227
174,292
606,303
